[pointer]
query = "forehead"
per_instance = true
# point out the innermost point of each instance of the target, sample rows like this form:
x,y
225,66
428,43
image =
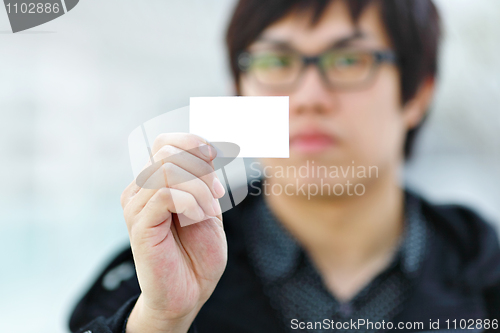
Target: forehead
x,y
335,24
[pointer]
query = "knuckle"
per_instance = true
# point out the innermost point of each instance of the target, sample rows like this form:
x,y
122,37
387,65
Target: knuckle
x,y
202,193
207,171
134,232
208,175
129,222
166,151
194,141
162,138
202,186
169,168
127,194
164,195
160,141
126,211
123,199
191,141
128,214
196,138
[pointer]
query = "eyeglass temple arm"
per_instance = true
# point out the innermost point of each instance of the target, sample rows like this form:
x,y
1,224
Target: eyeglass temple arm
x,y
386,56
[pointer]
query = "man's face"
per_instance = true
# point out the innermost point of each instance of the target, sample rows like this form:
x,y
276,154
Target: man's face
x,y
363,127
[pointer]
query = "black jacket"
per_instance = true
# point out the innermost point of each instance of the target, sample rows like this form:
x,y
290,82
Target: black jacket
x,y
460,280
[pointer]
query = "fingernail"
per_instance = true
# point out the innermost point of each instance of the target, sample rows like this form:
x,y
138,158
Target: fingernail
x,y
218,188
216,206
206,151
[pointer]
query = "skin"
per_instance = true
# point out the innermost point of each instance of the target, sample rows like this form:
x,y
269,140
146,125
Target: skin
x,y
177,268
349,238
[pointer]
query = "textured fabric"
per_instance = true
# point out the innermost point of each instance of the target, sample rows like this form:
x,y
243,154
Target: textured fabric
x,y
297,291
113,324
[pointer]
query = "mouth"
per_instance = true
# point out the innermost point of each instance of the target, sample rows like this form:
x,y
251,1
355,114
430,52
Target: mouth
x,y
311,142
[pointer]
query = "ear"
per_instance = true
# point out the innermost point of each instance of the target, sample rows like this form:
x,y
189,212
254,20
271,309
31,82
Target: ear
x,y
415,109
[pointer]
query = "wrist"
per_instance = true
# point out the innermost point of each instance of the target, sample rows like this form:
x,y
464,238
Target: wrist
x,y
145,320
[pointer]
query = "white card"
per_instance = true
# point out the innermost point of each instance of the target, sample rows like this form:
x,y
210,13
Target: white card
x,y
258,125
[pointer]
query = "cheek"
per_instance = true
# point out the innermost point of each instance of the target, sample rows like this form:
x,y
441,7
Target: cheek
x,y
246,87
375,121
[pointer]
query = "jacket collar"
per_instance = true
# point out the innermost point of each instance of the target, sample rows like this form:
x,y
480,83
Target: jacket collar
x,y
276,254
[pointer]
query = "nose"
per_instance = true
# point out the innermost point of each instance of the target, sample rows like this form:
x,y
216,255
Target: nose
x,y
312,95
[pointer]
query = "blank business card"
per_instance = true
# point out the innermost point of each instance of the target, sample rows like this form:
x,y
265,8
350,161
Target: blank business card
x,y
258,125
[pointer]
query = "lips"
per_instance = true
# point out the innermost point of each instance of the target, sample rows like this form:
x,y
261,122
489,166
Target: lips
x,y
311,142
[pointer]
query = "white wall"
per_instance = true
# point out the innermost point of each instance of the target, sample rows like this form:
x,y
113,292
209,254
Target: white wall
x,y
458,155
73,89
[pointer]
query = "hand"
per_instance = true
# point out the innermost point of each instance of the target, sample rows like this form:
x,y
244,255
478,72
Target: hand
x,y
177,267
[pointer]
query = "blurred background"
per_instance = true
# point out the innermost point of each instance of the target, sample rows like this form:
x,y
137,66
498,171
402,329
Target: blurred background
x,y
73,89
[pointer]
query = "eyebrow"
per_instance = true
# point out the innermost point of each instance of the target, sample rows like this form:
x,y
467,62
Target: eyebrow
x,y
339,43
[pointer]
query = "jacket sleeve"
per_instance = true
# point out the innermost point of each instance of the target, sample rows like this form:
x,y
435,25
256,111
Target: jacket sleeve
x,y
106,306
114,324
118,322
486,266
491,275
492,296
477,241
108,302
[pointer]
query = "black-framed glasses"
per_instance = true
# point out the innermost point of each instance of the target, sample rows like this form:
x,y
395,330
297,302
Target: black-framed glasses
x,y
339,68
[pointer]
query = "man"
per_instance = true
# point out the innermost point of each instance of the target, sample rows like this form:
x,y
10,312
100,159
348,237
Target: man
x,y
360,76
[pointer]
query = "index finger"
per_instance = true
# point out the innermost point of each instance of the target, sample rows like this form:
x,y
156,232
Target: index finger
x,y
191,143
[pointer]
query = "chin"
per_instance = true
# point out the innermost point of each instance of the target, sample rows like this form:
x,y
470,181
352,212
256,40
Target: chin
x,y
324,176
314,187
